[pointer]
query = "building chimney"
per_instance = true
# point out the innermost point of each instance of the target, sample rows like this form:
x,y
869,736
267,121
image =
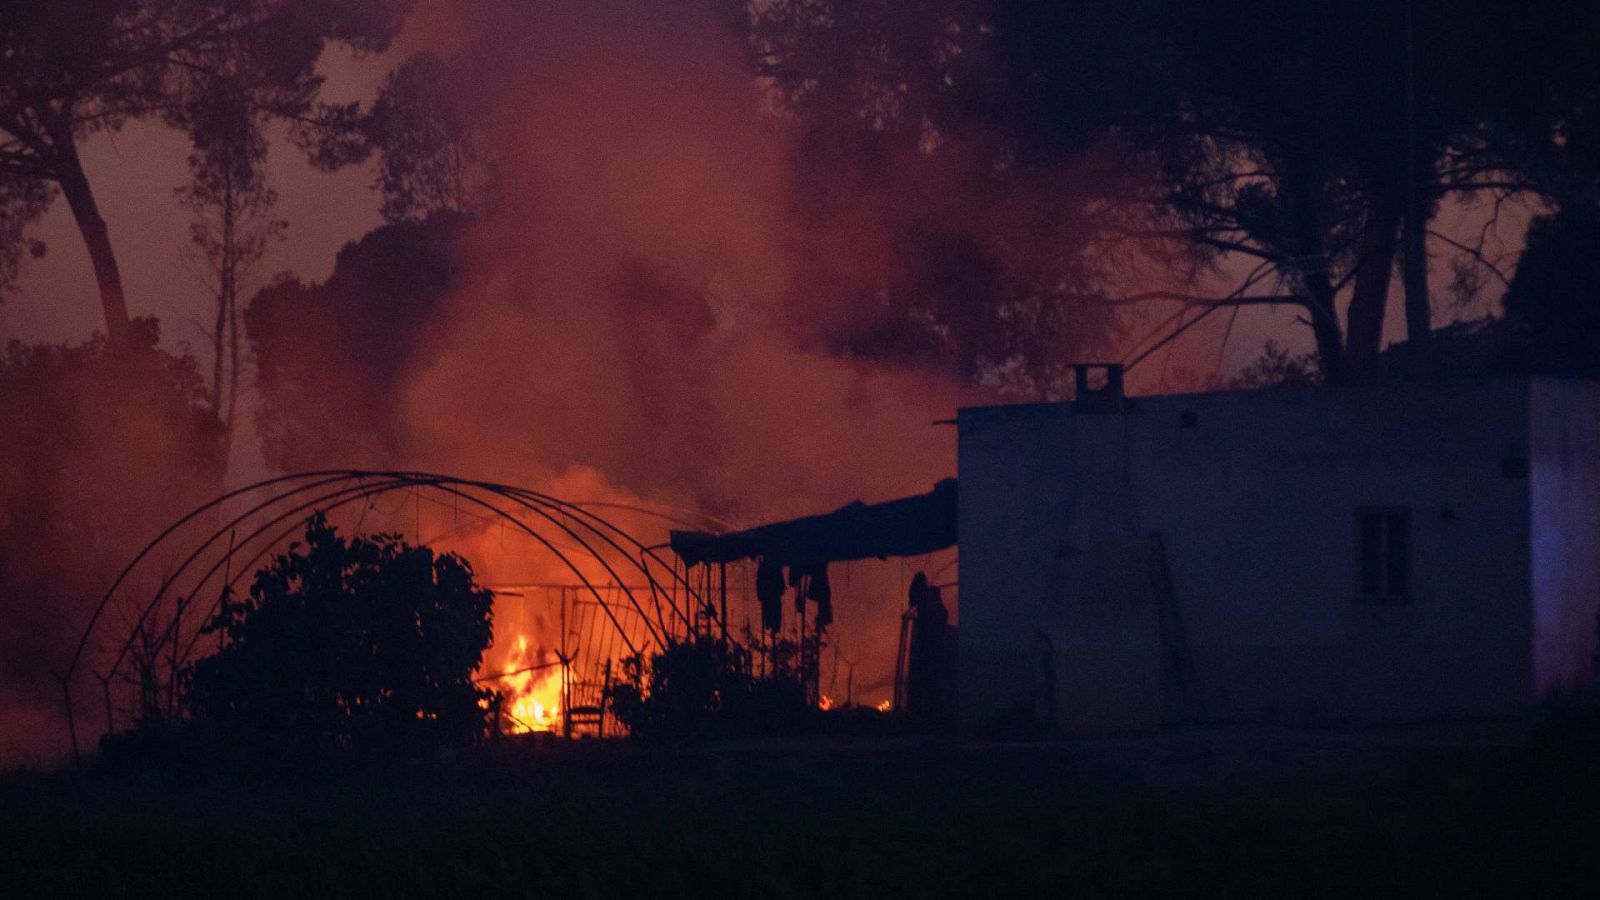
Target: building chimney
x,y
1108,397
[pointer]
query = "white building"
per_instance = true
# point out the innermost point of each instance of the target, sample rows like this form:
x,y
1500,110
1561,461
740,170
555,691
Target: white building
x,y
1391,551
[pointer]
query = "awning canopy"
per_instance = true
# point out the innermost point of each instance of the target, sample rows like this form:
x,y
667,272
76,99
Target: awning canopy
x,y
910,526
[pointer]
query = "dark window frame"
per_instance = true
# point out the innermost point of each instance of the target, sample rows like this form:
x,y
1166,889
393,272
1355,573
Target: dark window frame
x,y
1385,554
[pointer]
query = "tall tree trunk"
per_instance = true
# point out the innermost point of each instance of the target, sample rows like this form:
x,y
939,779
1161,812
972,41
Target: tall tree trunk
x,y
75,187
1414,275
1369,298
219,336
230,292
1301,187
233,377
1418,209
1325,325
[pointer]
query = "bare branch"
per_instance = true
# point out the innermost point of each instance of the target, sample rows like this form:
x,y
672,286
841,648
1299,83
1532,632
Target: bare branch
x,y
1193,300
1476,253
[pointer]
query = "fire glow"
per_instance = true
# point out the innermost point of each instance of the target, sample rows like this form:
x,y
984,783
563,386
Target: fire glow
x,y
532,691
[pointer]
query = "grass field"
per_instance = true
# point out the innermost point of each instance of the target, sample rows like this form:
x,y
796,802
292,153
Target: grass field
x,y
1493,809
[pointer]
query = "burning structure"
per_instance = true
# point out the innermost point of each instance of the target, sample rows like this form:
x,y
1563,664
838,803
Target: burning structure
x,y
910,526
609,608
1381,551
620,598
1369,552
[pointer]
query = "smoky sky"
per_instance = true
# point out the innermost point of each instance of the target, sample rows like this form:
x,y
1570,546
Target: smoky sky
x,y
135,170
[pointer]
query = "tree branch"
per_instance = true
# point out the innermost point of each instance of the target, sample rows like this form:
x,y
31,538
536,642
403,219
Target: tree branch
x,y
1193,300
1475,253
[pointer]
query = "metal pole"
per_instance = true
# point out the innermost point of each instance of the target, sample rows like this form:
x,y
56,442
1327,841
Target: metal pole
x,y
566,672
72,724
172,657
723,586
105,690
800,607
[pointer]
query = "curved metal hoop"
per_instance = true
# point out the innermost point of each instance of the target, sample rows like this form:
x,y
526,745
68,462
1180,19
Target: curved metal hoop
x,y
275,508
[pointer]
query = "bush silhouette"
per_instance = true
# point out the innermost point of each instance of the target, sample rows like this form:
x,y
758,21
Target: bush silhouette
x,y
365,644
705,687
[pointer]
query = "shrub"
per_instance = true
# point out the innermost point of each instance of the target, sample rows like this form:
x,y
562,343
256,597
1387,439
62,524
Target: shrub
x,y
367,644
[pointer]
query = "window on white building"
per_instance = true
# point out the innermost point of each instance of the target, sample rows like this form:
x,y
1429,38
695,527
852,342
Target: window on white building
x,y
1385,544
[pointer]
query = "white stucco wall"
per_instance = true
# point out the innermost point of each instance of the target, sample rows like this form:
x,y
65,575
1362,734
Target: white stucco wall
x,y
1256,505
1565,483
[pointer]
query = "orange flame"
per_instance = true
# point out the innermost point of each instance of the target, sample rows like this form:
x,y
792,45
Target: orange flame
x,y
533,692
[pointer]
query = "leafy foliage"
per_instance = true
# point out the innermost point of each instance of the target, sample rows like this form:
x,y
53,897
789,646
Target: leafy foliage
x,y
1277,367
704,686
993,259
1554,300
430,157
1296,151
426,128
366,644
100,447
329,356
22,202
70,69
230,203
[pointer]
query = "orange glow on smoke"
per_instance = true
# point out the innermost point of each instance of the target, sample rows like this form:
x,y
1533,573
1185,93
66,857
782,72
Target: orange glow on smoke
x,y
533,693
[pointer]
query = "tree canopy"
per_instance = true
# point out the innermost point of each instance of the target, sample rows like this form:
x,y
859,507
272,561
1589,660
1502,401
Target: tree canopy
x,y
330,357
1554,300
426,137
1294,153
993,260
99,449
70,69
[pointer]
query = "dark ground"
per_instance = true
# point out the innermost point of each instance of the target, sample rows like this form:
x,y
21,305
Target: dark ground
x,y
1487,809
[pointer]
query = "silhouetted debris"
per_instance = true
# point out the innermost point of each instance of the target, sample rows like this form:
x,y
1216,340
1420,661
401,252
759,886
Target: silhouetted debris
x,y
928,699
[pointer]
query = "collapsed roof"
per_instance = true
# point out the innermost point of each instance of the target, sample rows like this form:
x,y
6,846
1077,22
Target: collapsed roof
x,y
910,526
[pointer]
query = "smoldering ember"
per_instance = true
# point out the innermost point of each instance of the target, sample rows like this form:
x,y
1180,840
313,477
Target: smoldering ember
x,y
799,447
